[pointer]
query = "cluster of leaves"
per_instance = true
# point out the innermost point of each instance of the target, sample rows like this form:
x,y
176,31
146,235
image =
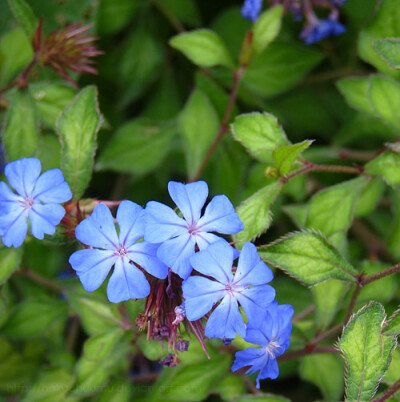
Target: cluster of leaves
x,y
218,116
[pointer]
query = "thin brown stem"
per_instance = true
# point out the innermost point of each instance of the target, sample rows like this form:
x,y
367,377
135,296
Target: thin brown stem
x,y
175,23
328,334
303,314
41,280
306,351
22,80
389,392
224,125
386,272
353,302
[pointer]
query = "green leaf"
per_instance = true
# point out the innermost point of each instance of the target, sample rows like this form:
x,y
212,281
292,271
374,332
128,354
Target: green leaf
x,y
328,297
21,135
261,398
138,146
25,16
198,116
49,152
203,47
284,156
266,28
355,91
308,257
10,260
119,390
259,133
278,68
34,317
52,385
384,96
331,210
386,24
387,165
190,382
185,11
369,197
229,387
298,214
77,127
392,326
101,354
326,372
51,99
255,213
389,49
366,352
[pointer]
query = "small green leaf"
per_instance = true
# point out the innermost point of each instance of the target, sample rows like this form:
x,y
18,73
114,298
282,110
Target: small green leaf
x,y
366,352
10,260
387,165
389,49
369,197
34,317
260,133
203,47
286,155
331,210
328,297
229,387
119,390
384,96
51,99
255,212
298,214
25,16
355,91
21,135
392,326
199,124
266,28
138,146
77,127
326,372
308,257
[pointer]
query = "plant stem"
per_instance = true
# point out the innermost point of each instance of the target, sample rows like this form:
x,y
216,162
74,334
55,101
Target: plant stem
x,y
353,302
41,280
389,392
386,272
22,80
175,23
306,351
312,167
237,77
328,334
303,314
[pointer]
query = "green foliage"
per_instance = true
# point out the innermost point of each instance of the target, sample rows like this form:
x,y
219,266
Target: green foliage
x,y
389,49
25,16
386,165
10,261
284,156
366,352
308,257
77,128
203,47
392,327
21,136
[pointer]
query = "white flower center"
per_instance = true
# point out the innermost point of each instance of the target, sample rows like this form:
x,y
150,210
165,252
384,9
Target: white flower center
x,y
230,288
121,251
27,202
193,229
272,348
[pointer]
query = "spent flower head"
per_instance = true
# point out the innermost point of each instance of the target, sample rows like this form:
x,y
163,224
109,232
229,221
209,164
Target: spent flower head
x,y
121,250
179,236
247,287
37,200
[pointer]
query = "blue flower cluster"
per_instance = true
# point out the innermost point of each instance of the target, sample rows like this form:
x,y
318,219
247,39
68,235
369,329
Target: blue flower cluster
x,y
321,29
152,241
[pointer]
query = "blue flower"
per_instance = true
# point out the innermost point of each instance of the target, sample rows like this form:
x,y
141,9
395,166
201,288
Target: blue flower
x,y
273,335
251,9
247,288
123,251
38,199
180,236
321,29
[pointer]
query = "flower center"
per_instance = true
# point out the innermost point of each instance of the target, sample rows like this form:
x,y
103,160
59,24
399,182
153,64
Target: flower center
x,y
230,288
193,229
272,348
121,251
27,202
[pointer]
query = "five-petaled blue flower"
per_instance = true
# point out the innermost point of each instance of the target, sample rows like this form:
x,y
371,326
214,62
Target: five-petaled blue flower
x,y
251,9
321,29
38,199
273,335
247,287
123,251
180,236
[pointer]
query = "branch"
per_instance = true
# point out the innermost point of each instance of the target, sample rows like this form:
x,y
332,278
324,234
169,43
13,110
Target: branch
x,y
308,350
389,392
386,272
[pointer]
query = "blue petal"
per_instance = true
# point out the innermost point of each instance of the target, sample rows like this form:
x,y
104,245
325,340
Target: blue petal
x,y
145,255
251,270
126,282
44,219
7,195
162,223
204,239
255,300
220,216
92,266
270,370
255,336
251,9
226,320
255,357
176,253
14,226
189,198
215,261
131,223
98,230
52,188
200,296
22,175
